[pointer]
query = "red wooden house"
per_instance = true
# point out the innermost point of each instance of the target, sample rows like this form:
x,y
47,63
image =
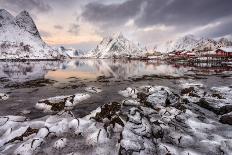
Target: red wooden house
x,y
224,51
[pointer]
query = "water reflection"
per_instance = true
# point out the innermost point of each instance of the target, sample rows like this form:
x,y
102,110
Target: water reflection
x,y
122,69
92,68
26,71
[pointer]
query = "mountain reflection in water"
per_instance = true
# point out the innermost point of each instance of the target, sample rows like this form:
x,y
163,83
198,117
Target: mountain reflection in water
x,y
90,69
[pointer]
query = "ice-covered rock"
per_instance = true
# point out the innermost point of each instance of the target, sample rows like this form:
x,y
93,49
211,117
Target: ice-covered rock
x,y
93,89
60,143
129,92
128,127
218,100
60,103
162,96
3,96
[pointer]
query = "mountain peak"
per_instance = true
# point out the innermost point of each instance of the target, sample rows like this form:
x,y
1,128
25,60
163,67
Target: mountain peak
x,y
118,35
24,21
24,13
20,39
116,46
5,16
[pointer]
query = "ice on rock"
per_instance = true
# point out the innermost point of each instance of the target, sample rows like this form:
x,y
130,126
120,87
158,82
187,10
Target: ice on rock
x,y
218,100
4,96
116,128
162,96
129,92
60,143
93,89
74,124
130,103
60,103
29,147
193,91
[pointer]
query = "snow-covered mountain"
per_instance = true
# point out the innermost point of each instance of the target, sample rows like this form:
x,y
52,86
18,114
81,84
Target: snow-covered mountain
x,y
116,46
20,39
71,52
192,43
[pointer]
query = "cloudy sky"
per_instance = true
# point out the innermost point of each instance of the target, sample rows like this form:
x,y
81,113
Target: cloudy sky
x,y
83,23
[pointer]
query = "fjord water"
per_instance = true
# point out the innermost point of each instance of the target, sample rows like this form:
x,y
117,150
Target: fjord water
x,y
28,82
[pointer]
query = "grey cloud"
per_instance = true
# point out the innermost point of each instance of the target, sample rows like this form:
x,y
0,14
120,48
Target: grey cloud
x,y
224,28
18,5
59,27
169,12
109,14
74,29
184,12
184,15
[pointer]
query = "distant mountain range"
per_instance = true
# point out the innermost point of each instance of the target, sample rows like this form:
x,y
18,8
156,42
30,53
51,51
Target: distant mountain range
x,y
116,46
192,43
20,39
71,52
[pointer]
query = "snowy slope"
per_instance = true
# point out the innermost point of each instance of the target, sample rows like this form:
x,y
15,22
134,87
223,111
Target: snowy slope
x,y
190,42
116,46
71,52
20,39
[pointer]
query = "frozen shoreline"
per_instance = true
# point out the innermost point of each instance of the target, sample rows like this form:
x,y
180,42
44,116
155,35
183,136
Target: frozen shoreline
x,y
150,120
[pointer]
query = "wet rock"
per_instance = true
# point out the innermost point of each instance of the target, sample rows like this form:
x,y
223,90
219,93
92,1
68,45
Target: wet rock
x,y
226,118
103,79
109,115
31,84
205,104
218,106
187,90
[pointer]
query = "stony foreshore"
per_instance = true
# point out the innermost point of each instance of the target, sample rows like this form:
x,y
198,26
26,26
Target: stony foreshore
x,y
150,120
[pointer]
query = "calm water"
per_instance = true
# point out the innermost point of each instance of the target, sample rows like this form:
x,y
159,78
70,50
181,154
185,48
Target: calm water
x,y
28,82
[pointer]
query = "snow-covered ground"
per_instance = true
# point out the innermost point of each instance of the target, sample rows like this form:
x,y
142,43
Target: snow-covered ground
x,y
20,39
150,120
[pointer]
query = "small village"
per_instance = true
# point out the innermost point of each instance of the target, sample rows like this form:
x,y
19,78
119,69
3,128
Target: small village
x,y
220,55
